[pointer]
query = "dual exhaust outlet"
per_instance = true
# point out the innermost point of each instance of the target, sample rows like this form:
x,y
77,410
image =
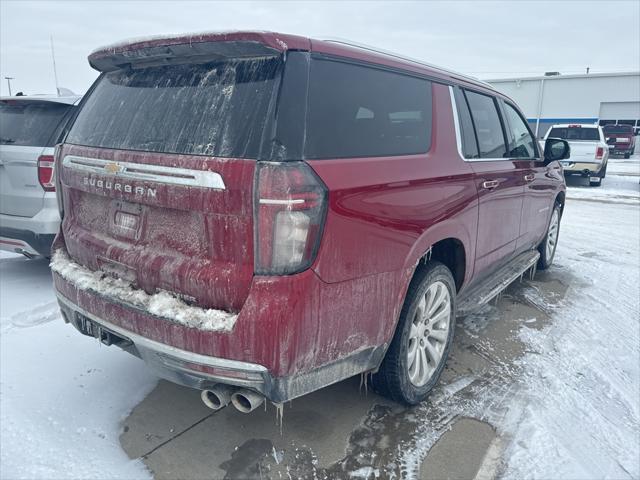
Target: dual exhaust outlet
x,y
221,395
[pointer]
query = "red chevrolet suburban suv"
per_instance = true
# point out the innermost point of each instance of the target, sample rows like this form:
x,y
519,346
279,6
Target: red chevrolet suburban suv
x,y
259,215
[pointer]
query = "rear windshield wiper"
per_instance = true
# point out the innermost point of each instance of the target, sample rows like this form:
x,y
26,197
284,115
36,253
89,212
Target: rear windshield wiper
x,y
7,140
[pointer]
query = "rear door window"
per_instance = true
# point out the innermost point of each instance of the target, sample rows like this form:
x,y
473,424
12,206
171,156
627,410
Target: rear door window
x,y
521,142
359,111
31,123
217,108
487,125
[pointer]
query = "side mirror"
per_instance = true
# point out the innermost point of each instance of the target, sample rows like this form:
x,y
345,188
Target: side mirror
x,y
556,149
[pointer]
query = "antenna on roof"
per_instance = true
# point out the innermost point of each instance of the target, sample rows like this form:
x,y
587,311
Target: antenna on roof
x,y
55,73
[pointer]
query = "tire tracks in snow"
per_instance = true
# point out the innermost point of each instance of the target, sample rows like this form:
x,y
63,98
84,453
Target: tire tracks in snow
x,y
38,315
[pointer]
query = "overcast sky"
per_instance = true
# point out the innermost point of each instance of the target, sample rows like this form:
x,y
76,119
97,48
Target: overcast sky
x,y
485,39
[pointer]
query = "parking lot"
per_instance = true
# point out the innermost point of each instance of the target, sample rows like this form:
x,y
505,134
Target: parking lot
x,y
71,405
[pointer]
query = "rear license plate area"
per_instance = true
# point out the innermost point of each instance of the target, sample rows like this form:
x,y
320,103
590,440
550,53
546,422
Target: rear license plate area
x,y
126,220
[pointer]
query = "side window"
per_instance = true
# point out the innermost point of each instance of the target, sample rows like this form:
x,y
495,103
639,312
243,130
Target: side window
x,y
467,134
488,126
521,142
358,111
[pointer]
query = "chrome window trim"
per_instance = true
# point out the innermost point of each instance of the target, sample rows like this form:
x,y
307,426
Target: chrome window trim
x,y
146,172
162,348
456,123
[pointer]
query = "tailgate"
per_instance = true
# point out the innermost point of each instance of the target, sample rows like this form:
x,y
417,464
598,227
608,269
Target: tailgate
x,y
20,191
583,151
157,174
178,223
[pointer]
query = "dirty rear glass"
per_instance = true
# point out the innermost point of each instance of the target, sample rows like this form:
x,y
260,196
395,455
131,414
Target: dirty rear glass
x,y
30,124
218,109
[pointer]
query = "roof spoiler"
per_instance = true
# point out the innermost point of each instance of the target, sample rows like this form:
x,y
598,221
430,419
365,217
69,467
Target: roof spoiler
x,y
197,48
195,52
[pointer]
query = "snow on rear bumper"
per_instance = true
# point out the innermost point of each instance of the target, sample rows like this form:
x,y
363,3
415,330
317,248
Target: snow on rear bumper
x,y
161,304
297,331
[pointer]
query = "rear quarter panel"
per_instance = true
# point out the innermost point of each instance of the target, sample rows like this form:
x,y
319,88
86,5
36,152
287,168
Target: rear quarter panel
x,y
384,214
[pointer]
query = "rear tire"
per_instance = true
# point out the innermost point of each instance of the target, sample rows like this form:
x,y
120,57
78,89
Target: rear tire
x,y
547,247
627,155
423,337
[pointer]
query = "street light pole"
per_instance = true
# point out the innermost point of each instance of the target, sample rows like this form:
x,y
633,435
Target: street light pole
x,y
9,83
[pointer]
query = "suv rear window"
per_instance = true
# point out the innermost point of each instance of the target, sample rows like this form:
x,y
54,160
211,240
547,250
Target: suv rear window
x,y
618,129
575,133
216,108
359,111
30,123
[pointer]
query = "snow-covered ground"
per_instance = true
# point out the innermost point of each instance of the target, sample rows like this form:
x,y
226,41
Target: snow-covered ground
x,y
580,405
572,402
63,397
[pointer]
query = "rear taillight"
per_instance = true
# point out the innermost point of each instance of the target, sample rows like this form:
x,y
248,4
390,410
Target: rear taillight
x,y
45,173
289,205
599,153
56,179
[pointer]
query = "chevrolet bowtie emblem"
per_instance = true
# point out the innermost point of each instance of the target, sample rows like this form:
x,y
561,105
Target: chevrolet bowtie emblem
x,y
113,168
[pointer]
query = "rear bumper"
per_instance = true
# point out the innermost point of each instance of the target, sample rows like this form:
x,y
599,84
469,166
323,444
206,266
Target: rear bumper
x,y
619,149
175,364
203,371
294,335
581,168
25,241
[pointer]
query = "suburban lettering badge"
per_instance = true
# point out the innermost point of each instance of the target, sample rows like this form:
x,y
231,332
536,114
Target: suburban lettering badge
x,y
120,187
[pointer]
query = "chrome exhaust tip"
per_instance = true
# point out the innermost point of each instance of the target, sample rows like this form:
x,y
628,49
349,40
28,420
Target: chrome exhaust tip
x,y
218,396
246,400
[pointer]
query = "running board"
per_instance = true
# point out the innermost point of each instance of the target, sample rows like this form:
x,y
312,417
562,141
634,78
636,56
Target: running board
x,y
497,282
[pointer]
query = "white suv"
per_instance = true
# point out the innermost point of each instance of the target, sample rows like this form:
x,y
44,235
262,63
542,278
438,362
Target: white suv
x,y
29,127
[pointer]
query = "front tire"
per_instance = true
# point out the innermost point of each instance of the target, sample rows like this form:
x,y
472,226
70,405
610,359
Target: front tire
x,y
547,247
424,334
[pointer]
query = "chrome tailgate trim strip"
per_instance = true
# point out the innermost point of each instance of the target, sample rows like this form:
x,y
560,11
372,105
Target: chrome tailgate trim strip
x,y
146,172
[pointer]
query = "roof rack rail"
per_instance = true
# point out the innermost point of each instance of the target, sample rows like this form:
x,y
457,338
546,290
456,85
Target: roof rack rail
x,y
408,59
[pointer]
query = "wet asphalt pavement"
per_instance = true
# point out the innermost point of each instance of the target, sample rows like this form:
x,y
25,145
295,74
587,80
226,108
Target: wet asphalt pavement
x,y
346,430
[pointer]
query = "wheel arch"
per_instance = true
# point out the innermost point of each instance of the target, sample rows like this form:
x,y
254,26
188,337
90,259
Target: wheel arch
x,y
449,243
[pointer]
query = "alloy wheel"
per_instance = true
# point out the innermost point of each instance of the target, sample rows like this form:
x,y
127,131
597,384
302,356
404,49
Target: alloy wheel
x,y
429,333
552,235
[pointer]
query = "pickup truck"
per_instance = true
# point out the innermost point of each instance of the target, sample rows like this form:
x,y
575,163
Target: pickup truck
x,y
589,150
621,139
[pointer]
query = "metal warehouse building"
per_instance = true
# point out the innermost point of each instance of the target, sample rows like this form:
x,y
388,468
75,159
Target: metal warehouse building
x,y
590,98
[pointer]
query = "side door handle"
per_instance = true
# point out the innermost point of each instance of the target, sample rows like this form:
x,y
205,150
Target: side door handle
x,y
529,177
490,184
